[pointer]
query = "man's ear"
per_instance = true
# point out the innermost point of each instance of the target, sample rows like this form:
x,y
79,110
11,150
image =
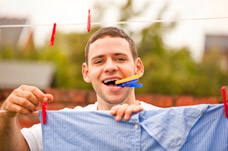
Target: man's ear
x,y
85,73
139,68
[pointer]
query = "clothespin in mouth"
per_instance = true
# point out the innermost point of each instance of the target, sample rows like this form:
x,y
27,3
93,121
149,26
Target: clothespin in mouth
x,y
129,81
130,84
44,108
225,100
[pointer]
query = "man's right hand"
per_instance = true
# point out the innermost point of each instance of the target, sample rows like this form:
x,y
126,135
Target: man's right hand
x,y
24,100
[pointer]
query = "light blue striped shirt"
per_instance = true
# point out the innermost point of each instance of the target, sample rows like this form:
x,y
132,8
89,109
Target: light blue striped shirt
x,y
190,128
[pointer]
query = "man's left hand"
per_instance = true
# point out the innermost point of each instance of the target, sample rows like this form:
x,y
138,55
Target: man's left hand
x,y
124,111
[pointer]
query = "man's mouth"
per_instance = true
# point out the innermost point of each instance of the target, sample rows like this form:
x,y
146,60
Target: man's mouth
x,y
110,82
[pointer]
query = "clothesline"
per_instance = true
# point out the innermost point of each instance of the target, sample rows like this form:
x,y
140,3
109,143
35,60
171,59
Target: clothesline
x,y
4,111
118,23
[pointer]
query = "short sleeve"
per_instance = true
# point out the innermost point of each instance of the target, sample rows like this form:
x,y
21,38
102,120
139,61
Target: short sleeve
x,y
33,136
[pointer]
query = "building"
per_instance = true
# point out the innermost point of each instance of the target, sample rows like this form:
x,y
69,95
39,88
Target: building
x,y
219,44
15,37
14,73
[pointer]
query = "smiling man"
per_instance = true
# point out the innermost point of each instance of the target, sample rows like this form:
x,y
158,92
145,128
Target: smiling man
x,y
110,59
110,55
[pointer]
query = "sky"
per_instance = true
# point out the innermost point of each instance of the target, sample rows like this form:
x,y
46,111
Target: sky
x,y
187,33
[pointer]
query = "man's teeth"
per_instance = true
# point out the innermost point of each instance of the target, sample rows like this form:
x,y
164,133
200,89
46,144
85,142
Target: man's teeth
x,y
110,80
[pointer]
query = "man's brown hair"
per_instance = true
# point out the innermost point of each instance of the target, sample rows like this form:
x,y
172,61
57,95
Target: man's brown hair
x,y
113,32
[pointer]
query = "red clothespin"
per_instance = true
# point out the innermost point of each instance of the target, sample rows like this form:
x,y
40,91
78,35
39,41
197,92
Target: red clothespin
x,y
89,21
225,100
44,108
53,35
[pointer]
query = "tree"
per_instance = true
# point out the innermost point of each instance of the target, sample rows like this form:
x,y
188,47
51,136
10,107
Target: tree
x,y
167,70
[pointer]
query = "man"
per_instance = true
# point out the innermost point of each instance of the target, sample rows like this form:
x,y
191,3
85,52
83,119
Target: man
x,y
110,55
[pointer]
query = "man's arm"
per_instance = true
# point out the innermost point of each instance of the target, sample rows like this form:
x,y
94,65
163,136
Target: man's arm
x,y
22,100
10,135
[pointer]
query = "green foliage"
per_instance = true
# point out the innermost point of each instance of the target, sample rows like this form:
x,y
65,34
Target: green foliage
x,y
7,53
68,55
167,70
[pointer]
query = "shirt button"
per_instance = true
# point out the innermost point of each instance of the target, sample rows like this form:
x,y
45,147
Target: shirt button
x,y
136,126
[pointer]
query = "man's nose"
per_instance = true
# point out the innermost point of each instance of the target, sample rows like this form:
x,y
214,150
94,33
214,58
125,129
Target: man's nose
x,y
110,66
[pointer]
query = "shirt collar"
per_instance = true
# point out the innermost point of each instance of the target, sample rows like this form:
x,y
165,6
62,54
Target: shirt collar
x,y
170,127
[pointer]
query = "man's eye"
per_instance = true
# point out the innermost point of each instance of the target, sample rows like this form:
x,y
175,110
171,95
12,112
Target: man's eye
x,y
120,59
98,61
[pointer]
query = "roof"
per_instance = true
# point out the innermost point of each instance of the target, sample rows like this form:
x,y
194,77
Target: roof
x,y
11,36
216,41
16,73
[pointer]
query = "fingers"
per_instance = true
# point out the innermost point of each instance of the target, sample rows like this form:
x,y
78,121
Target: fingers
x,y
26,94
115,109
49,97
19,109
37,92
25,99
119,110
125,111
24,103
14,108
130,110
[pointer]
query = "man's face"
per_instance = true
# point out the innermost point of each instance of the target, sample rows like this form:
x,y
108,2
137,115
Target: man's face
x,y
110,59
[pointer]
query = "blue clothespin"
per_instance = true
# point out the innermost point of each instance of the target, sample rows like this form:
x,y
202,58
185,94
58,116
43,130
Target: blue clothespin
x,y
130,84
